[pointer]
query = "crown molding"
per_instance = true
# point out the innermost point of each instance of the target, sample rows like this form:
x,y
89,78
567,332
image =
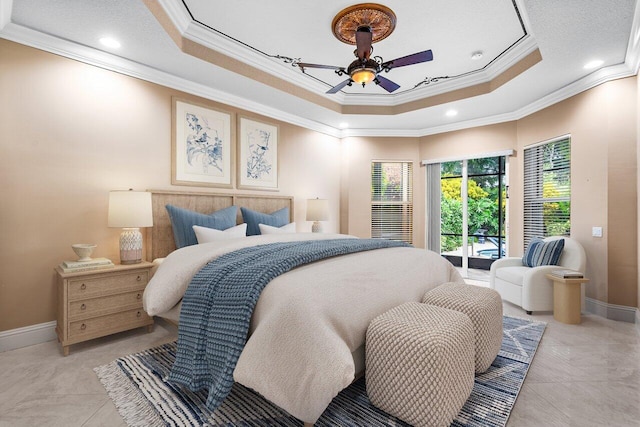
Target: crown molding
x,y
633,47
178,14
483,121
592,80
517,53
203,36
414,95
523,48
588,82
400,133
29,37
199,33
26,36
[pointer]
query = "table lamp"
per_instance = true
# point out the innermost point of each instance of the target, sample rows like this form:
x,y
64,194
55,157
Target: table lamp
x,y
317,210
130,210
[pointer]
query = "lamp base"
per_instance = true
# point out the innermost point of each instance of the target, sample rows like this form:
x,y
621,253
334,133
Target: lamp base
x,y
316,227
130,246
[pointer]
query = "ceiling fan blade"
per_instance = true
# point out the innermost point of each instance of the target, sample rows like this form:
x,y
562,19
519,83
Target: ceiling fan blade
x,y
339,86
416,58
386,84
364,38
329,67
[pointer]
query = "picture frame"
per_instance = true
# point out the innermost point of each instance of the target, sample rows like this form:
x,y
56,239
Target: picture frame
x,y
258,155
202,145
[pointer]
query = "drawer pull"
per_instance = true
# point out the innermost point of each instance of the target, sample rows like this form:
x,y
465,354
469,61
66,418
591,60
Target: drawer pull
x,y
138,278
139,314
83,307
83,327
139,296
83,287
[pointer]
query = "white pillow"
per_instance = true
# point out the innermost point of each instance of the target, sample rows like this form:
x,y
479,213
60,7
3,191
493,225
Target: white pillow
x,y
207,235
285,229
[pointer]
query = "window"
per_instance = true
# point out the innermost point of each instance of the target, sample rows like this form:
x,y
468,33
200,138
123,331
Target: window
x,y
547,189
392,201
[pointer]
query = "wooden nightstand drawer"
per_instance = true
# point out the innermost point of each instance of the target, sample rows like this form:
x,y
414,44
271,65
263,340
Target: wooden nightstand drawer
x,y
96,303
82,288
97,306
103,325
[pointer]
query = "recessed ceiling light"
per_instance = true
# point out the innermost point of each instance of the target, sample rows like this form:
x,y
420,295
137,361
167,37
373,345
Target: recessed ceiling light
x,y
593,64
451,113
110,42
477,55
343,125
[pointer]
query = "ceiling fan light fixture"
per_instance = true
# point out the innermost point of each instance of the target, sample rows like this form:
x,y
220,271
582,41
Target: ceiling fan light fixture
x,y
361,25
363,75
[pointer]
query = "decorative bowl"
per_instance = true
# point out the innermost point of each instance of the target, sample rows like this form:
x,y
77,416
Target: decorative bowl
x,y
83,250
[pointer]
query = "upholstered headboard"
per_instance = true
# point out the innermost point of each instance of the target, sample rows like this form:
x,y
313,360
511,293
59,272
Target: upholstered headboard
x,y
160,242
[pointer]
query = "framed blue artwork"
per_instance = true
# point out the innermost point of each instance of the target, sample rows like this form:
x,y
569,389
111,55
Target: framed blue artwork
x,y
203,146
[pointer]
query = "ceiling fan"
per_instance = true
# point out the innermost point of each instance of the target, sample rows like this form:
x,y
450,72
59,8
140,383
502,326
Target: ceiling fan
x,y
366,69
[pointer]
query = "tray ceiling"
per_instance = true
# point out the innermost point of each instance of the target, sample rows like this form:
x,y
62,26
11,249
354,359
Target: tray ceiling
x,y
244,53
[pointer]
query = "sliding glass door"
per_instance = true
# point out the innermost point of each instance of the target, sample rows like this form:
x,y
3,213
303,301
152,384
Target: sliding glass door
x,y
472,212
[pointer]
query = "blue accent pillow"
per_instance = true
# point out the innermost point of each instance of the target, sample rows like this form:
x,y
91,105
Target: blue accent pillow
x,y
183,220
540,252
253,218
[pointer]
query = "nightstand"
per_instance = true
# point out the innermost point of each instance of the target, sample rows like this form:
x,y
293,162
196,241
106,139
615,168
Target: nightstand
x,y
96,303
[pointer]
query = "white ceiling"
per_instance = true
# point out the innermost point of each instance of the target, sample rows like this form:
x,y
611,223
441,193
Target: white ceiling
x,y
567,33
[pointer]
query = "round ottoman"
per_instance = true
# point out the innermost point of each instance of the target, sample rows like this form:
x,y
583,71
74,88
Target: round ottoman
x,y
484,308
420,363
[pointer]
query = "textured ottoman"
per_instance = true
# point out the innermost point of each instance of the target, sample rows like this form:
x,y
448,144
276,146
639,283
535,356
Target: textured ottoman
x,y
484,308
420,363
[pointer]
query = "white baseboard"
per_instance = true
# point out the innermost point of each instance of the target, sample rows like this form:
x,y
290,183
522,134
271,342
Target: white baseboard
x,y
612,311
29,335
638,319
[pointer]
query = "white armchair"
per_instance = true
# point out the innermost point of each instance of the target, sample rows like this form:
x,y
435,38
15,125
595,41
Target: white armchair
x,y
528,287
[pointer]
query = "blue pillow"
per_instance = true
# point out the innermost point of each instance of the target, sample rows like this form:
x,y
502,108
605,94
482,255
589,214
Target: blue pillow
x,y
253,218
540,252
183,220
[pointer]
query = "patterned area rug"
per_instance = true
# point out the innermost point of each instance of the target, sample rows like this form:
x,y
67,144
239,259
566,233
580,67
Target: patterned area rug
x,y
137,385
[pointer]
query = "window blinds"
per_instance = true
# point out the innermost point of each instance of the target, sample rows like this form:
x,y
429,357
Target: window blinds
x,y
547,190
392,201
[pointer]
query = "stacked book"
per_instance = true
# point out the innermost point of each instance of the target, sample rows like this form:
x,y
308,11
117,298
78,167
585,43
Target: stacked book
x,y
92,264
568,274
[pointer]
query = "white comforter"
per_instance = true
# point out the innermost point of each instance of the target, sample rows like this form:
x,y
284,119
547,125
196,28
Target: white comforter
x,y
309,321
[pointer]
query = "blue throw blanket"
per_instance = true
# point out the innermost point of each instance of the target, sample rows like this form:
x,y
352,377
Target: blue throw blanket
x,y
219,302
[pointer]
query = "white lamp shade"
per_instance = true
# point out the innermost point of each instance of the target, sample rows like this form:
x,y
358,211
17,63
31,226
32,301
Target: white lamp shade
x,y
317,210
130,209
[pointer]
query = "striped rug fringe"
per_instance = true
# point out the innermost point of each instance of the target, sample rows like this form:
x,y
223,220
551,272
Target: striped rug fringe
x,y
133,406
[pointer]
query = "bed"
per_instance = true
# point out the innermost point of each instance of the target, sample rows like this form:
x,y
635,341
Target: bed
x,y
306,335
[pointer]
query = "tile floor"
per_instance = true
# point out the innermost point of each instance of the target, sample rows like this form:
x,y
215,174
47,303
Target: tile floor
x,y
582,375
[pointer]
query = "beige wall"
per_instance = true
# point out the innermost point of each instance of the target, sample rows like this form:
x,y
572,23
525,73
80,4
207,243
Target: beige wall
x,y
357,155
69,133
603,126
